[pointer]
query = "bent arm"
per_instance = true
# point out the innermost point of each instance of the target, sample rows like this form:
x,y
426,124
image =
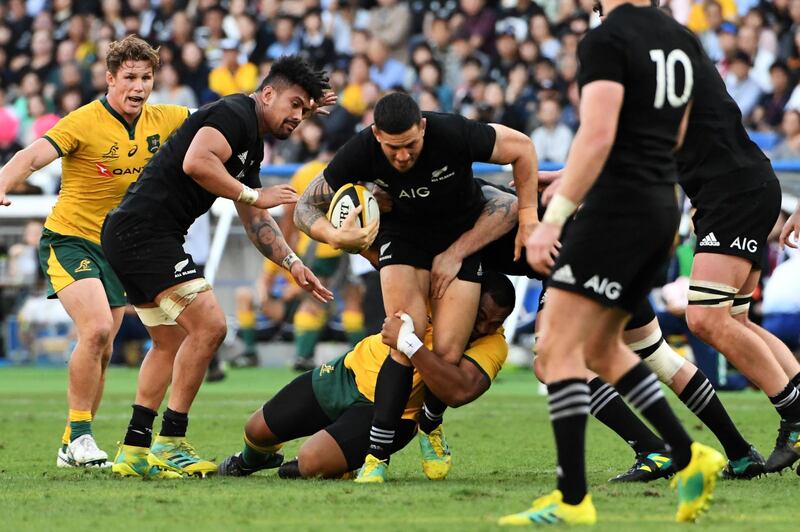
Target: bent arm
x,y
499,216
515,148
456,385
310,211
25,162
205,163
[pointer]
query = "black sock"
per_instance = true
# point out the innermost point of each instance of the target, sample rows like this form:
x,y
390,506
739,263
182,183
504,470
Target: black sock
x,y
174,424
569,407
392,390
641,388
140,429
608,408
787,403
699,396
796,381
432,412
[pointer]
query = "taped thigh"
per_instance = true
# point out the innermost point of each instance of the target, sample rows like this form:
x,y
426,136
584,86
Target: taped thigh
x,y
153,316
711,294
665,363
741,304
176,301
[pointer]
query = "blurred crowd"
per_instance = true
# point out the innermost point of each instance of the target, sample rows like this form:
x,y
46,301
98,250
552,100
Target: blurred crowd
x,y
507,61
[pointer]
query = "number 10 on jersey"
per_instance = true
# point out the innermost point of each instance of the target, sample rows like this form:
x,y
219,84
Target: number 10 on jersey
x,y
665,77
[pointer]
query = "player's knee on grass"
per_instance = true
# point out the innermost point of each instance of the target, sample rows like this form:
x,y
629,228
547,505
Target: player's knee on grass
x,y
258,432
321,456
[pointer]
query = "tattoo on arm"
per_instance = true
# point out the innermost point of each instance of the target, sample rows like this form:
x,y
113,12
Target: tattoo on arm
x,y
498,201
264,232
313,204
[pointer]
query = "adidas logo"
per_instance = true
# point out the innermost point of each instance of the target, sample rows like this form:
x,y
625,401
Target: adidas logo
x,y
709,240
243,156
564,275
480,269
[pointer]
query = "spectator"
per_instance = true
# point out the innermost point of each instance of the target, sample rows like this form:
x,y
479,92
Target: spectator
x,y
708,37
552,138
742,88
541,33
477,21
9,126
505,55
520,95
697,21
211,34
789,148
252,41
23,257
340,19
286,42
170,89
428,101
387,72
231,77
317,47
194,73
352,97
391,20
769,111
430,80
762,59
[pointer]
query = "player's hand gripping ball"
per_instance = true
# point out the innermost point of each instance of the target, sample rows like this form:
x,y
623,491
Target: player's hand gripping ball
x,y
354,208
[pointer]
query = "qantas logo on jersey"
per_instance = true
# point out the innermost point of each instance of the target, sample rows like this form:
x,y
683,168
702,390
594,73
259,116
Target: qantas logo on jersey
x,y
604,287
420,192
743,244
102,170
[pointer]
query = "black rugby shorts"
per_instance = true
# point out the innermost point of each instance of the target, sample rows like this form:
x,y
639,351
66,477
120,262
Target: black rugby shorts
x,y
146,260
615,258
737,223
418,248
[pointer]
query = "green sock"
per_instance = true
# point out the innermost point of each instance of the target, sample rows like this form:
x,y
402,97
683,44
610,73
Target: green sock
x,y
79,428
253,457
248,336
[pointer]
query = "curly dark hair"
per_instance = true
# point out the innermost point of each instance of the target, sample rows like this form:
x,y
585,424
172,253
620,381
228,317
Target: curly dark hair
x,y
131,48
294,70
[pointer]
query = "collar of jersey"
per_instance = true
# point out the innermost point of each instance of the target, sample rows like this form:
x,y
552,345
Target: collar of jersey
x,y
131,129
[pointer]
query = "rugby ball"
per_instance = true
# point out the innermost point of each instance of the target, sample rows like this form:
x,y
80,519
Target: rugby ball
x,y
347,199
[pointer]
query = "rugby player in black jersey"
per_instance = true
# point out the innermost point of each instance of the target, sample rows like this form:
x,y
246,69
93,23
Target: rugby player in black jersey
x,y
636,81
217,152
424,162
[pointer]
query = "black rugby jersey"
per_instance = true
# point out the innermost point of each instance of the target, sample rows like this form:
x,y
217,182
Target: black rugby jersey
x,y
165,196
439,193
653,57
716,143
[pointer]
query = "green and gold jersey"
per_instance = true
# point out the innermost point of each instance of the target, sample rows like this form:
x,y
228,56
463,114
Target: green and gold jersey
x,y
365,360
101,156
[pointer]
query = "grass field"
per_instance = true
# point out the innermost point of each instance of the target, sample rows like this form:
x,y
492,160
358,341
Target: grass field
x,y
503,457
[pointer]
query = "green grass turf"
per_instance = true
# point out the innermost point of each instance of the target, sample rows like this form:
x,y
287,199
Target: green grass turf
x,y
503,457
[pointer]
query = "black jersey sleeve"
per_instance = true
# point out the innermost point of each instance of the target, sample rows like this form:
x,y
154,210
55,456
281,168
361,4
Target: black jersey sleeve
x,y
226,120
602,57
479,139
348,165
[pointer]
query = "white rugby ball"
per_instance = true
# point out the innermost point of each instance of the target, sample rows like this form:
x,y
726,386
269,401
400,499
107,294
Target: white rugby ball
x,y
347,199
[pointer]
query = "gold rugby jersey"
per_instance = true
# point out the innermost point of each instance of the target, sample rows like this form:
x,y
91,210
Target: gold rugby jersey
x,y
365,360
101,156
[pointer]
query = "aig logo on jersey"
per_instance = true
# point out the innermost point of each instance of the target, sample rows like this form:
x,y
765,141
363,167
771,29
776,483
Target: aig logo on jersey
x,y
420,192
745,244
604,287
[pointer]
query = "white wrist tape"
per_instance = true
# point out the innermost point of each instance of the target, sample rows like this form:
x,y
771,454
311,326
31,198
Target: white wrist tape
x,y
288,260
559,209
247,195
407,341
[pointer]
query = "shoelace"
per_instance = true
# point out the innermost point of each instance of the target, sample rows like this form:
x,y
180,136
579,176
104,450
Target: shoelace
x,y
88,444
188,448
436,443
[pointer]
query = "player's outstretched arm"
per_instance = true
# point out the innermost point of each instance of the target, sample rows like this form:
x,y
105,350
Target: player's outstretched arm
x,y
263,231
517,149
456,385
310,218
791,227
601,102
498,217
38,155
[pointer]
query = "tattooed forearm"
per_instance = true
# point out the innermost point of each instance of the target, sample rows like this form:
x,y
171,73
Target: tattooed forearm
x,y
313,204
499,202
265,234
